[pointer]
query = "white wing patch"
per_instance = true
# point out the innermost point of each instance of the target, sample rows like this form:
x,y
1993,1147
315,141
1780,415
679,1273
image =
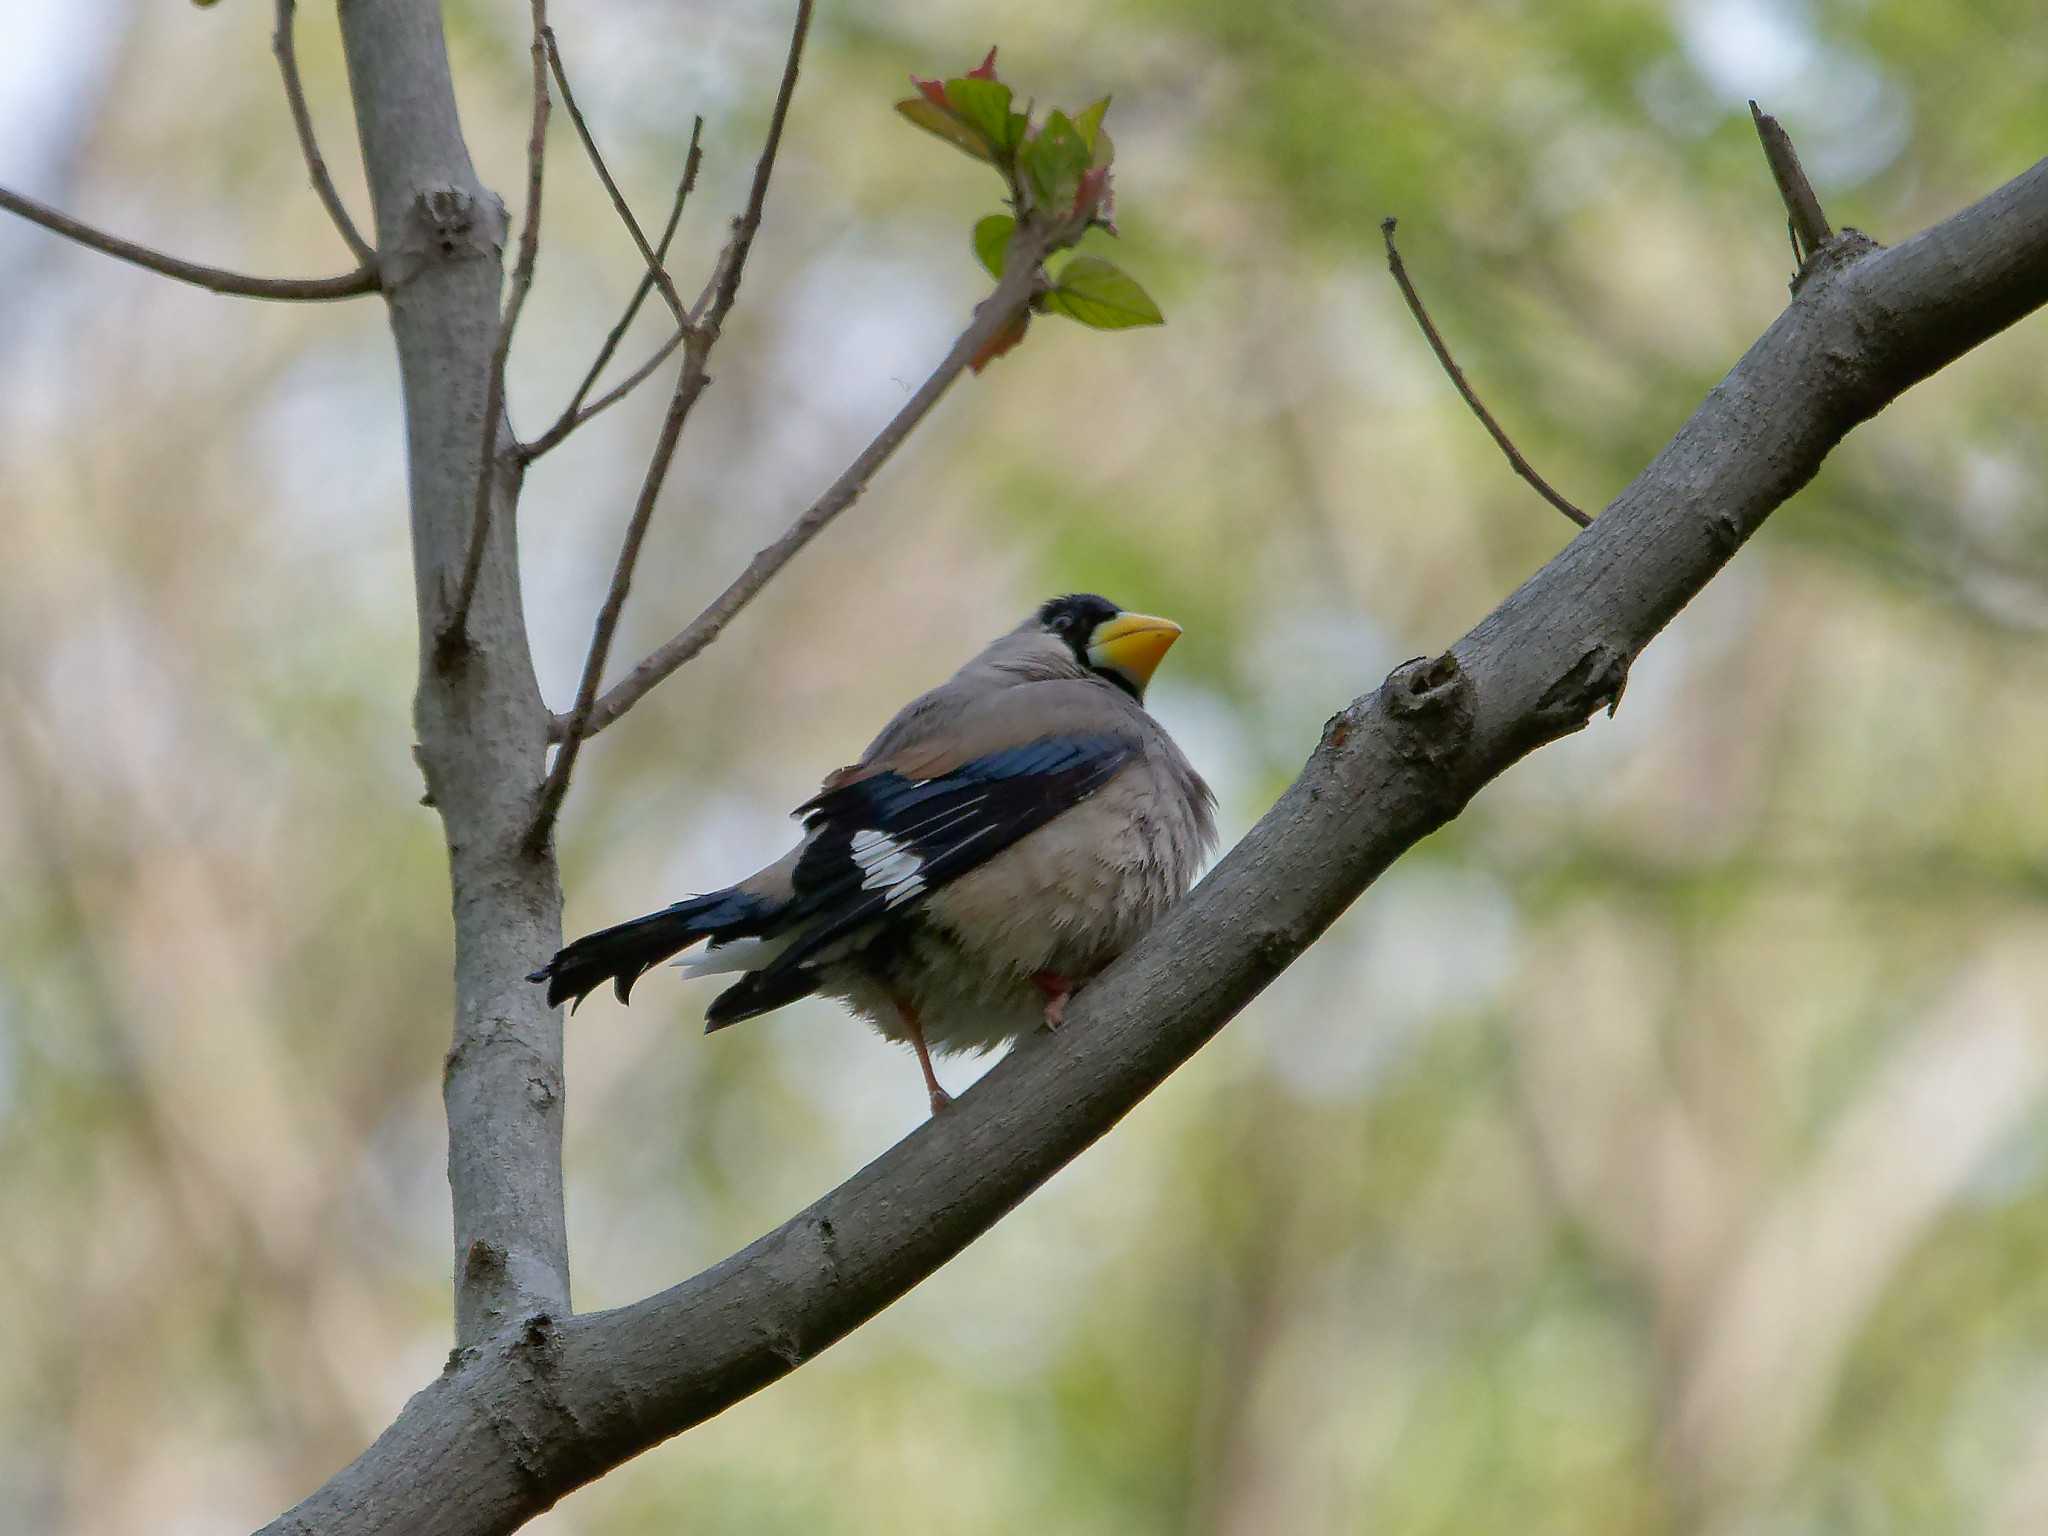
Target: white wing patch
x,y
887,865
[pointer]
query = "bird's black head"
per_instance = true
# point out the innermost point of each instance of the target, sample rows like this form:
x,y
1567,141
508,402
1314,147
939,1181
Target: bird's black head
x,y
1119,647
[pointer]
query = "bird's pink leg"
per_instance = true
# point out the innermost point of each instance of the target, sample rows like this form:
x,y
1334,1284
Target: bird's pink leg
x,y
1057,990
940,1098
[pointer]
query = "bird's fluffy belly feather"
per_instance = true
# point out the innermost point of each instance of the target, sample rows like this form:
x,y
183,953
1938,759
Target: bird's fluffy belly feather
x,y
1067,898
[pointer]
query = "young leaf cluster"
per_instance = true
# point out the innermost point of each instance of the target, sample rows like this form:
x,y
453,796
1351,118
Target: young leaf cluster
x,y
1056,173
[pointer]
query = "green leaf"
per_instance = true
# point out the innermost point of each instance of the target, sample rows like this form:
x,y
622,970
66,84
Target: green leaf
x,y
985,105
1101,294
1105,151
992,242
1055,160
936,119
1088,123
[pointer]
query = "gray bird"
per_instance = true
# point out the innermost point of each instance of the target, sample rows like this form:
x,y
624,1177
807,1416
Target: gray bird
x,y
1006,836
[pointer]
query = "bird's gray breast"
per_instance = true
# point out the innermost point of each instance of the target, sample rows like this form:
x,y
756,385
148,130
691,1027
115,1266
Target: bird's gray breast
x,y
1074,894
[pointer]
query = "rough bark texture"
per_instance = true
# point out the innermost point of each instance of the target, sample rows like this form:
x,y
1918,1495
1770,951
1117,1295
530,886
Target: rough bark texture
x,y
525,1415
482,724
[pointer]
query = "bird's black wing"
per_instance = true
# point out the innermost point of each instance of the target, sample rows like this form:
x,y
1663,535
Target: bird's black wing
x,y
882,844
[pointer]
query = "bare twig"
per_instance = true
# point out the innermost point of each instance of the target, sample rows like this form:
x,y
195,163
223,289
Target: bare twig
x,y
214,279
454,632
1010,299
611,397
573,414
688,387
726,281
1810,229
282,45
700,338
604,174
1520,465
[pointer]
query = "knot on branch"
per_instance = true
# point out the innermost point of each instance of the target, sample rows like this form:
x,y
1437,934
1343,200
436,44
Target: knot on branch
x,y
1597,678
828,1246
782,1342
443,225
483,1264
1844,249
538,1340
1429,701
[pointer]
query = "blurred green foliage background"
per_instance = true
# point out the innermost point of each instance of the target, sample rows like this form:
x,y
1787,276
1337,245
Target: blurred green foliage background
x,y
1657,1149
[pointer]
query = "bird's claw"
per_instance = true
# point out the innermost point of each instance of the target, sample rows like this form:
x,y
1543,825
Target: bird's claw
x,y
1057,989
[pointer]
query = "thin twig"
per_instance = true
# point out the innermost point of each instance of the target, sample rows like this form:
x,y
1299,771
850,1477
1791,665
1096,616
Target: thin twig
x,y
282,45
1010,299
611,397
688,387
214,279
454,633
700,338
1521,465
604,174
1810,229
734,259
573,414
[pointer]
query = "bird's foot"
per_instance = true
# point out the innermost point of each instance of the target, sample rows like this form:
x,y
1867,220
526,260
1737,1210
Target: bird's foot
x,y
1057,990
914,1030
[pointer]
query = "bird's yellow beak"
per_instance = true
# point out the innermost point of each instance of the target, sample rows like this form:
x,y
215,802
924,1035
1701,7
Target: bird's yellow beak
x,y
1133,644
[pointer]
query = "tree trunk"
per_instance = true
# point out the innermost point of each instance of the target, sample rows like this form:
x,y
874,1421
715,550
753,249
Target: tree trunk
x,y
481,722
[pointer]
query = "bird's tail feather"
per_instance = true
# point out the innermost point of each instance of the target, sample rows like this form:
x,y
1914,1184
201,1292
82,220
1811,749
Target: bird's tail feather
x,y
621,954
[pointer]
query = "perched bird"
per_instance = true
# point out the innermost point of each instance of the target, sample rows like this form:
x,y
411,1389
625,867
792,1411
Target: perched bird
x,y
1006,836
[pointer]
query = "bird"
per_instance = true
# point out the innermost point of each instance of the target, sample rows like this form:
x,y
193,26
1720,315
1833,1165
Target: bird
x,y
1005,836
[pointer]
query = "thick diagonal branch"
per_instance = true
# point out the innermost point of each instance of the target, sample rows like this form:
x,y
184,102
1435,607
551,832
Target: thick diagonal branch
x,y
580,1396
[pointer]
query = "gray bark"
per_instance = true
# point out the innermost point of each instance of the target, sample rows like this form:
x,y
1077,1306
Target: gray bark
x,y
481,722
523,1416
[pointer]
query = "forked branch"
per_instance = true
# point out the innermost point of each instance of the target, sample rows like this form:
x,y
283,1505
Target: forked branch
x,y
604,174
1011,298
574,413
701,335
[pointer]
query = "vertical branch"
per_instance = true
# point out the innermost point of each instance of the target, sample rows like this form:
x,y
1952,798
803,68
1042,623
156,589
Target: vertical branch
x,y
482,726
454,632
